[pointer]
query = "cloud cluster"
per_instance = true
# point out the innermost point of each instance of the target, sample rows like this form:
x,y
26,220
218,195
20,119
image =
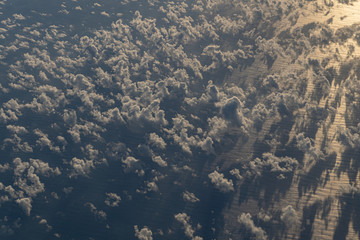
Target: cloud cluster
x,y
279,167
148,92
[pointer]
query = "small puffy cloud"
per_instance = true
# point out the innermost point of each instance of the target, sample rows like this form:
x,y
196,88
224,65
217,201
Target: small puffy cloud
x,y
236,173
25,204
101,215
190,197
156,141
143,234
112,200
18,16
17,129
289,216
152,187
159,161
306,145
184,219
26,178
350,137
44,141
81,167
222,184
246,221
103,13
217,128
131,163
45,223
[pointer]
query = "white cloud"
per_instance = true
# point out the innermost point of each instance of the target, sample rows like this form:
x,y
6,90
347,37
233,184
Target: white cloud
x,y
159,161
43,168
306,145
280,167
190,197
222,184
103,13
80,167
112,200
289,216
156,141
26,178
248,223
101,215
143,234
25,204
184,219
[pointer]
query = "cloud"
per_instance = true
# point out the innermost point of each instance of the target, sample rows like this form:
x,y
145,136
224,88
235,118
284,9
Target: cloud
x,y
306,145
229,26
236,173
112,200
19,130
349,136
246,220
131,163
159,161
184,219
190,197
26,178
157,141
217,128
279,167
103,13
222,184
80,167
143,234
43,168
289,216
44,141
25,204
101,215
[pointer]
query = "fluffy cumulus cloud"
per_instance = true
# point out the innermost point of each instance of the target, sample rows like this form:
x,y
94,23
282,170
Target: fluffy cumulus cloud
x,y
246,221
25,204
289,216
350,137
143,234
185,220
306,145
220,182
112,199
190,197
279,167
99,214
81,167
